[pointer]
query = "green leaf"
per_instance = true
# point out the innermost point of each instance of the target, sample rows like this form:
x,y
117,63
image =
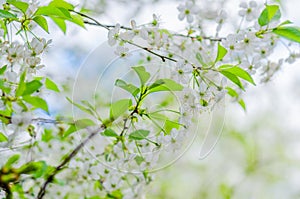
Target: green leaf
x,y
6,14
51,85
233,78
237,71
232,92
31,87
286,22
139,159
81,107
3,69
139,134
36,102
23,6
61,4
119,107
128,87
165,85
47,135
242,104
235,95
13,159
5,115
76,19
3,138
221,53
169,125
270,13
60,23
290,33
22,85
83,123
200,59
109,133
42,22
52,11
142,73
78,125
72,128
36,169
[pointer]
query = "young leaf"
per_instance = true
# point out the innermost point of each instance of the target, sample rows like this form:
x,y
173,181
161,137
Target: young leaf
x,y
36,102
72,128
76,19
232,92
52,11
235,95
237,71
142,73
3,138
3,69
51,85
119,107
22,86
200,59
165,85
290,33
60,23
23,6
61,4
78,125
242,104
139,134
169,125
221,53
42,22
81,107
233,78
83,123
139,159
6,14
31,87
109,133
13,159
128,87
270,13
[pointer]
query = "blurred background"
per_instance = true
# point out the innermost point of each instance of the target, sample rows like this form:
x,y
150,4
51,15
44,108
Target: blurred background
x,y
258,151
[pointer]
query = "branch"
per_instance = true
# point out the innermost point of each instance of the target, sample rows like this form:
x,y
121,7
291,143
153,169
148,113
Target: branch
x,y
198,37
175,34
164,58
60,167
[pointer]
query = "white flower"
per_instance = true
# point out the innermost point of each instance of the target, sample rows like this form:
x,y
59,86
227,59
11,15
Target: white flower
x,y
249,11
144,33
113,35
11,76
38,45
122,51
21,119
187,10
247,41
292,58
15,52
182,72
230,43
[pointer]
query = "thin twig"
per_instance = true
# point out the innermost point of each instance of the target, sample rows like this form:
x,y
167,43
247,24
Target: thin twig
x,y
198,37
60,167
163,58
